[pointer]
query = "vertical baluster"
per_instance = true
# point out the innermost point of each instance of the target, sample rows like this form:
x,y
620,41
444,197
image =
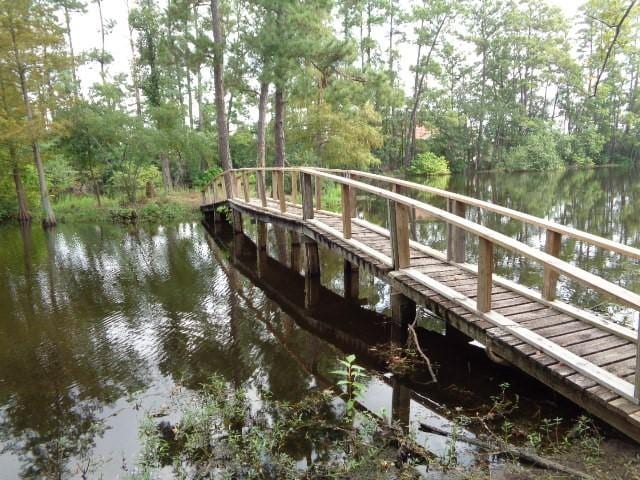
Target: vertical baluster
x,y
294,187
485,275
399,232
318,193
245,186
261,187
346,211
550,279
307,197
456,237
282,198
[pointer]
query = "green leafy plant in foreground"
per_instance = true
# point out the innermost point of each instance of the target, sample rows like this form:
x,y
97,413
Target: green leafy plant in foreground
x,y
352,377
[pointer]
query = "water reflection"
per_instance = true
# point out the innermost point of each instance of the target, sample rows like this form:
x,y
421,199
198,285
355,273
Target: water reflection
x,y
100,324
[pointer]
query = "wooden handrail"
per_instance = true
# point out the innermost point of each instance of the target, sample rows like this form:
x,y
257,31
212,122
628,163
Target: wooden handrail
x,y
399,208
571,232
624,296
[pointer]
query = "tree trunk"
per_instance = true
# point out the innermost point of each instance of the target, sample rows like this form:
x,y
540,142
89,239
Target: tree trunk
x,y
279,126
166,172
262,123
134,73
218,72
49,219
24,216
74,74
102,35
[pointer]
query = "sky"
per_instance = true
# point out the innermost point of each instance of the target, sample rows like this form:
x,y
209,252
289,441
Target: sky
x,y
85,29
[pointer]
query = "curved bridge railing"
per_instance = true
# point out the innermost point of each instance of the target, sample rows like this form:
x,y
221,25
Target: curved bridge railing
x,y
305,190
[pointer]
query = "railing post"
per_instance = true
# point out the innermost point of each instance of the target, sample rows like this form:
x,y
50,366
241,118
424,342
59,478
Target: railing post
x,y
282,198
245,186
318,193
636,391
352,198
231,182
399,232
307,197
485,275
552,247
456,238
294,187
261,187
346,211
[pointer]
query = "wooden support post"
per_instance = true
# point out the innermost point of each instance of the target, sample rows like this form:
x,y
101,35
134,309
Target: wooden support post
x,y
351,281
346,211
312,274
307,197
636,391
274,185
294,250
318,193
550,279
237,222
403,312
261,247
400,403
282,198
456,238
399,232
232,182
485,275
237,187
261,187
295,178
245,186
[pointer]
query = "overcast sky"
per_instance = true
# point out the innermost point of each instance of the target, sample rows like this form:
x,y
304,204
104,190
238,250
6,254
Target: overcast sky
x,y
86,36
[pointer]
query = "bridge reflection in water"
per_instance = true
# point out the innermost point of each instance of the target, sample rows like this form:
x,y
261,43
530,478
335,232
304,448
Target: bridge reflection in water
x,y
467,379
579,354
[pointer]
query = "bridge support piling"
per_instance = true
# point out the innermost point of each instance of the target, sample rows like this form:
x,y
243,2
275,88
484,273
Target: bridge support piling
x,y
237,222
400,403
311,274
403,312
261,248
294,250
351,281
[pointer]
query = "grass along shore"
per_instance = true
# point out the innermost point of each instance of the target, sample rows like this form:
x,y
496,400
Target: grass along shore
x,y
176,205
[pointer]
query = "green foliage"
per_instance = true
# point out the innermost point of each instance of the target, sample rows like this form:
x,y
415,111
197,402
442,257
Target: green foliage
x,y
429,163
61,177
539,151
352,378
204,178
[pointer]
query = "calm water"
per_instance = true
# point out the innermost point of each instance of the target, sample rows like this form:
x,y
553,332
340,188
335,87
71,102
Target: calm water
x,y
99,325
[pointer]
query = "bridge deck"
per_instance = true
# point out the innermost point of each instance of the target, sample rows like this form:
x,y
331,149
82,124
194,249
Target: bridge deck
x,y
370,248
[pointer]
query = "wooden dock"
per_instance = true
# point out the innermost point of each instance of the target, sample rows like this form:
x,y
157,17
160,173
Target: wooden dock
x,y
584,357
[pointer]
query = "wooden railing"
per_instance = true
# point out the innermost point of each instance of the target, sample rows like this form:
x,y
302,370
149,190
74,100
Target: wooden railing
x,y
399,212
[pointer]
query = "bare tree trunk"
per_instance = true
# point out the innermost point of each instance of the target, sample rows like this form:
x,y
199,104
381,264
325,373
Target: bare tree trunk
x,y
262,123
134,72
166,172
218,71
102,35
24,216
279,126
189,97
49,219
74,74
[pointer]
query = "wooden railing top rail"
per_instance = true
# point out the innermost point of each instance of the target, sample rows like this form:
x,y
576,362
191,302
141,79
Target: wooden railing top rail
x,y
624,296
571,232
621,294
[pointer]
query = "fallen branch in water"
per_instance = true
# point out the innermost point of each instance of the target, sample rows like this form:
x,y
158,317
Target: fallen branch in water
x,y
516,452
412,329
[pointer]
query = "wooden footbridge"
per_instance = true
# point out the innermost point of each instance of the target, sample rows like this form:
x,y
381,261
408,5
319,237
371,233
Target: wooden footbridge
x,y
584,357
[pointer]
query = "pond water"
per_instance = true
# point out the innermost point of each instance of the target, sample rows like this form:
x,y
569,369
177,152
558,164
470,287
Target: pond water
x,y
100,324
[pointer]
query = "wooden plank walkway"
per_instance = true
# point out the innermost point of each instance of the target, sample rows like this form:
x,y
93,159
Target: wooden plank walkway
x,y
447,288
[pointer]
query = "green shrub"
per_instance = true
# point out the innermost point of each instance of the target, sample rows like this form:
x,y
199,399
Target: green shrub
x,y
428,163
539,151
